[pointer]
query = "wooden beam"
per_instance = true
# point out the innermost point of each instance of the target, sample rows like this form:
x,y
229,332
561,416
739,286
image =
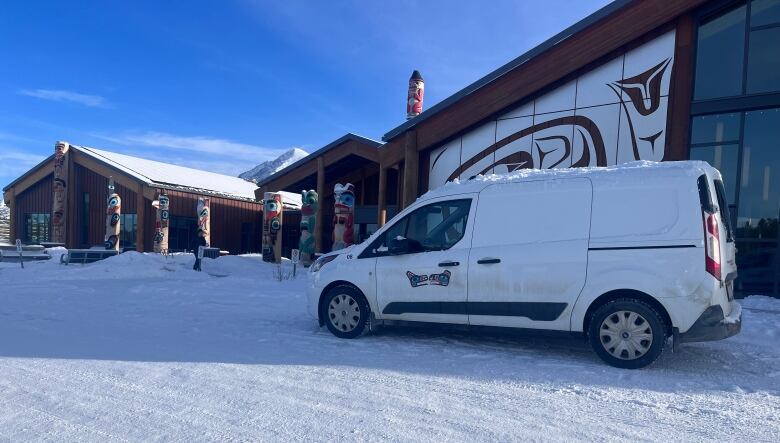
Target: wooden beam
x,y
321,195
411,167
39,174
681,93
140,218
381,216
71,229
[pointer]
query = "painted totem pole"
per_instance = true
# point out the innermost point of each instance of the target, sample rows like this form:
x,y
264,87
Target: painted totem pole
x,y
204,218
414,98
59,207
306,245
272,227
343,220
113,212
161,224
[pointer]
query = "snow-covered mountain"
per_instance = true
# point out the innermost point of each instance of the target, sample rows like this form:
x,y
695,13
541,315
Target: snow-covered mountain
x,y
270,167
5,222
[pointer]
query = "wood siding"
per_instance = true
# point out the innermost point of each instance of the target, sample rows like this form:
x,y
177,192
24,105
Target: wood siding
x,y
227,217
37,199
94,184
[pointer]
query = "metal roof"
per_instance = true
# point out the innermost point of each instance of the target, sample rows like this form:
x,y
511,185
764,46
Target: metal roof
x,y
512,65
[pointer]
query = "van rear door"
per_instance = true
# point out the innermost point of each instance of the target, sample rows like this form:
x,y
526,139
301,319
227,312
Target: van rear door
x,y
720,249
529,253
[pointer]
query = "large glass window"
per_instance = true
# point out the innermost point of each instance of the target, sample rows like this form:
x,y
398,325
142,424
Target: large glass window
x,y
763,74
720,56
37,228
737,52
759,193
127,226
715,139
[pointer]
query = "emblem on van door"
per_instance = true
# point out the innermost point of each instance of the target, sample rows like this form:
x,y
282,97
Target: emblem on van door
x,y
442,279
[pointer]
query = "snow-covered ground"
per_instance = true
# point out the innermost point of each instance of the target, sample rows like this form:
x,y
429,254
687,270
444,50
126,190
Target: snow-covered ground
x,y
140,348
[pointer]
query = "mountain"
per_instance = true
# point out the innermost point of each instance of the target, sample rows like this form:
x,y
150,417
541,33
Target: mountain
x,y
5,222
270,167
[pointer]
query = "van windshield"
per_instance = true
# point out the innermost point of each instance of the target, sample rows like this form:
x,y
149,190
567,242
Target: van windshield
x,y
723,204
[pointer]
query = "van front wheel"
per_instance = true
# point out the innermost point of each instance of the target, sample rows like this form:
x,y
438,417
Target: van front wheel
x,y
627,333
346,311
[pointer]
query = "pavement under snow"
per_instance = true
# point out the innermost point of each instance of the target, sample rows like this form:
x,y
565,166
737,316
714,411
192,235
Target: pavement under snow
x,y
141,348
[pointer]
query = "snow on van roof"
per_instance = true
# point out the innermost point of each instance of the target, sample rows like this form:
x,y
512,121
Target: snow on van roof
x,y
477,183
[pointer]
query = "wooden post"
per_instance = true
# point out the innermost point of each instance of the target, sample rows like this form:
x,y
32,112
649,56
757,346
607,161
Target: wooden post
x,y
321,194
12,232
411,168
679,118
381,216
140,219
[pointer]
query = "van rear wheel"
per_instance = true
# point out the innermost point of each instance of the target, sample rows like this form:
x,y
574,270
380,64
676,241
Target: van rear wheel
x,y
627,333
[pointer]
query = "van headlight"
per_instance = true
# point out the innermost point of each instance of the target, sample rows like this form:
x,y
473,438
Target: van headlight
x,y
322,261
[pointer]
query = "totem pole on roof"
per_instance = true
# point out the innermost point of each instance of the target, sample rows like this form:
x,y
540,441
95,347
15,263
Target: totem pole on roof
x,y
272,227
414,98
204,218
113,212
307,246
161,224
343,218
59,207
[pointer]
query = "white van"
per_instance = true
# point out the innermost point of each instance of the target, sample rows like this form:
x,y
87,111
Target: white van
x,y
629,255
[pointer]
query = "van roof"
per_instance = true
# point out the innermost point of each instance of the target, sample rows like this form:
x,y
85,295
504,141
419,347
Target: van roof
x,y
617,173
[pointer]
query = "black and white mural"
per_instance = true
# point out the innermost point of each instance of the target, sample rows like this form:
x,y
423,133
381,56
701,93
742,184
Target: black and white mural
x,y
613,114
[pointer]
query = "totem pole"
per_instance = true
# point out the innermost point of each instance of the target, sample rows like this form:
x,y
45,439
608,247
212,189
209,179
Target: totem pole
x,y
343,220
414,98
59,207
204,218
161,225
272,227
113,211
308,220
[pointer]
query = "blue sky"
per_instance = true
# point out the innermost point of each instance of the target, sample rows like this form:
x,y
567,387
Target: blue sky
x,y
224,85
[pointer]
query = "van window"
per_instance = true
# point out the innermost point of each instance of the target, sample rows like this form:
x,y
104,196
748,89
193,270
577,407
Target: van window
x,y
436,227
704,194
725,214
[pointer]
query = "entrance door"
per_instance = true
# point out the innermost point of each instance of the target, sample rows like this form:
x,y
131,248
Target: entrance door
x,y
529,253
428,281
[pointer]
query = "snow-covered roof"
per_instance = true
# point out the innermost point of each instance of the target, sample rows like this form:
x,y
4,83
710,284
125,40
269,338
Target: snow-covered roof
x,y
170,176
479,182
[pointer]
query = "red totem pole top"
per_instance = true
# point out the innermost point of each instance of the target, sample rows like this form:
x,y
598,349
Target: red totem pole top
x,y
414,98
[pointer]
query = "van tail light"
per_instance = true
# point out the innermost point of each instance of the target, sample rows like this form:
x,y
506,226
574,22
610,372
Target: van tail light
x,y
712,245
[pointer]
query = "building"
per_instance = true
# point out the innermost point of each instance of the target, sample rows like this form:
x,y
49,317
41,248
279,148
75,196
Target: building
x,y
636,80
236,221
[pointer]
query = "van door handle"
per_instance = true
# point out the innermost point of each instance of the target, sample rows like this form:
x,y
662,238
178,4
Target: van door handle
x,y
488,261
449,263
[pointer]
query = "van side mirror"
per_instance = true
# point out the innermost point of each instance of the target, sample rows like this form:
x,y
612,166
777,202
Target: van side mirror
x,y
401,245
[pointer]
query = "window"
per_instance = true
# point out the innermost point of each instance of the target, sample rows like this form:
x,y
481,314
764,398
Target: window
x,y
37,228
127,226
436,227
720,56
736,52
759,188
715,139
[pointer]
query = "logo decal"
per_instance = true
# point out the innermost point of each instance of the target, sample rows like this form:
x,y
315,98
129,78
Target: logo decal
x,y
442,279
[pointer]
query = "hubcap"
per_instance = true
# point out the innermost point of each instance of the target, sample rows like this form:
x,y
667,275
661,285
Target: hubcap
x,y
626,335
344,312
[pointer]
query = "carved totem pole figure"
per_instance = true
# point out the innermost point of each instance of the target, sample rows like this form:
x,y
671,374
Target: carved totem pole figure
x,y
204,218
113,213
59,207
272,227
161,224
414,98
307,245
343,220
